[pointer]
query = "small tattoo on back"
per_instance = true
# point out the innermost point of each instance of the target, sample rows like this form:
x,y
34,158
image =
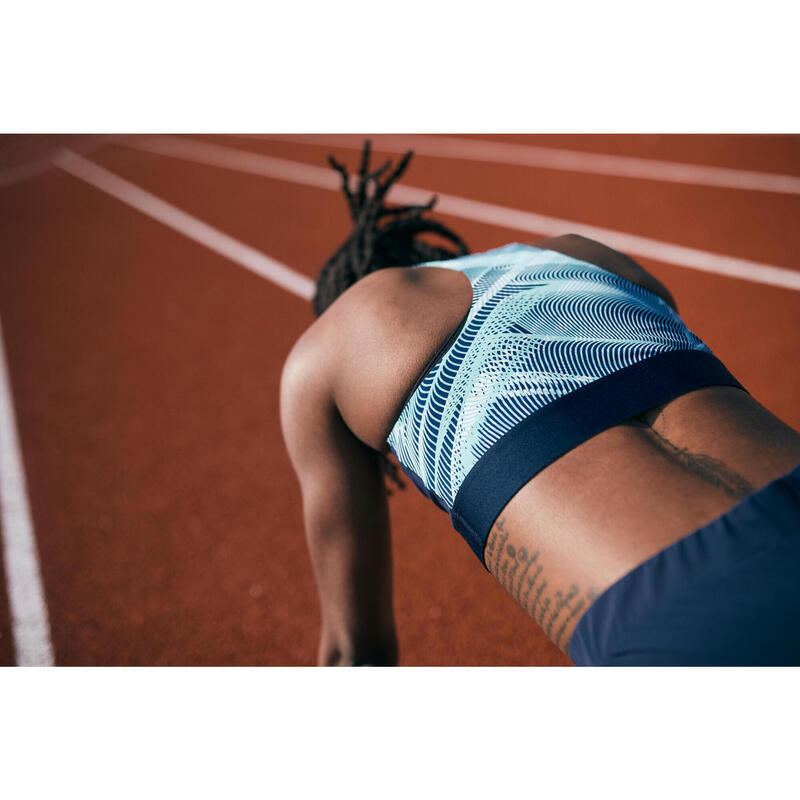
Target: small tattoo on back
x,y
522,575
711,470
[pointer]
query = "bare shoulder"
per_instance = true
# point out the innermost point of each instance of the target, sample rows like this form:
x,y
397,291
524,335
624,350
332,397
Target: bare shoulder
x,y
584,249
340,354
321,441
368,348
315,356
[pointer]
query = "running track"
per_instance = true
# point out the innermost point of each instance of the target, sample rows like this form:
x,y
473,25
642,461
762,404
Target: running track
x,y
144,332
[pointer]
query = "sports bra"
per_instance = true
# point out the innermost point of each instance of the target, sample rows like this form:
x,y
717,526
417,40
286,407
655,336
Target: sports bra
x,y
553,351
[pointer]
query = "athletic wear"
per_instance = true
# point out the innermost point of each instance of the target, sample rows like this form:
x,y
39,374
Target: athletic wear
x,y
727,594
553,351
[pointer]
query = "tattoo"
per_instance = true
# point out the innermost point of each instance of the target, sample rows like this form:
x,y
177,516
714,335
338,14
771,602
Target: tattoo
x,y
501,544
521,575
531,583
577,608
711,470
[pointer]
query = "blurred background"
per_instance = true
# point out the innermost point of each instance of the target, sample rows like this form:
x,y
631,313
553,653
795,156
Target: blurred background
x,y
150,290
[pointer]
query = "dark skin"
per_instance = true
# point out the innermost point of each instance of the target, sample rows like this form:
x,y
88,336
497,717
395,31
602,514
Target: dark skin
x,y
568,534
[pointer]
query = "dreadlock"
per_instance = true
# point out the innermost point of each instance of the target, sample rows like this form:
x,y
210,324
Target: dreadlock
x,y
371,245
382,236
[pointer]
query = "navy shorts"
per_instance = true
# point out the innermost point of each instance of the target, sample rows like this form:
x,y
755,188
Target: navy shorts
x,y
726,595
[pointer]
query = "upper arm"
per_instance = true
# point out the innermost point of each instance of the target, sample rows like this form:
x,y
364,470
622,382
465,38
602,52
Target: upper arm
x,y
584,249
340,477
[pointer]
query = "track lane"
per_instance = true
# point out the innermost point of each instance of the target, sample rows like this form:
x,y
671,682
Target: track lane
x,y
527,222
757,226
121,343
763,152
563,159
193,228
752,327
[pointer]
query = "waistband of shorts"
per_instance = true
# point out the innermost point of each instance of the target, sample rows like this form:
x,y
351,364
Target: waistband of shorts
x,y
709,562
569,421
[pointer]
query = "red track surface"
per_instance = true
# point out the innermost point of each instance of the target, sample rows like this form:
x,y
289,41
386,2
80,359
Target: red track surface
x,y
145,374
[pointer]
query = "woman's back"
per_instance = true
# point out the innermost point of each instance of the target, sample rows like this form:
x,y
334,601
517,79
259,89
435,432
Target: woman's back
x,y
600,509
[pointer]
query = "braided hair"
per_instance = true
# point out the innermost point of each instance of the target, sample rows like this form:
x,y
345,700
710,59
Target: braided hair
x,y
382,236
371,245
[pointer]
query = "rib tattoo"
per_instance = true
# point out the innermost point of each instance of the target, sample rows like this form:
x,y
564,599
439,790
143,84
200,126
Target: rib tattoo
x,y
521,574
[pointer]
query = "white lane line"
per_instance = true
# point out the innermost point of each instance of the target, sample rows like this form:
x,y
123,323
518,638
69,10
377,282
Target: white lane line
x,y
29,625
21,172
85,144
189,226
566,160
487,213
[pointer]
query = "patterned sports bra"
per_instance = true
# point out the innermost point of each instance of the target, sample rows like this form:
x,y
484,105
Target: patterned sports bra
x,y
553,351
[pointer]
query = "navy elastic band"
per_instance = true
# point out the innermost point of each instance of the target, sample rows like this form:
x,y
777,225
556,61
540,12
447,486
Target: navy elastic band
x,y
569,421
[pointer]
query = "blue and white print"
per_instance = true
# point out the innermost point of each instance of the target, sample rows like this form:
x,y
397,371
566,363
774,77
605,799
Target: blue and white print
x,y
541,325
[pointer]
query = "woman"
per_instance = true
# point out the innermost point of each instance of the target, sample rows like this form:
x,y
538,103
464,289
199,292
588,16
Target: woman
x,y
600,461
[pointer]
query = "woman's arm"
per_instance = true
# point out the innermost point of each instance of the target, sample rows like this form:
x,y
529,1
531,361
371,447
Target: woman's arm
x,y
346,517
